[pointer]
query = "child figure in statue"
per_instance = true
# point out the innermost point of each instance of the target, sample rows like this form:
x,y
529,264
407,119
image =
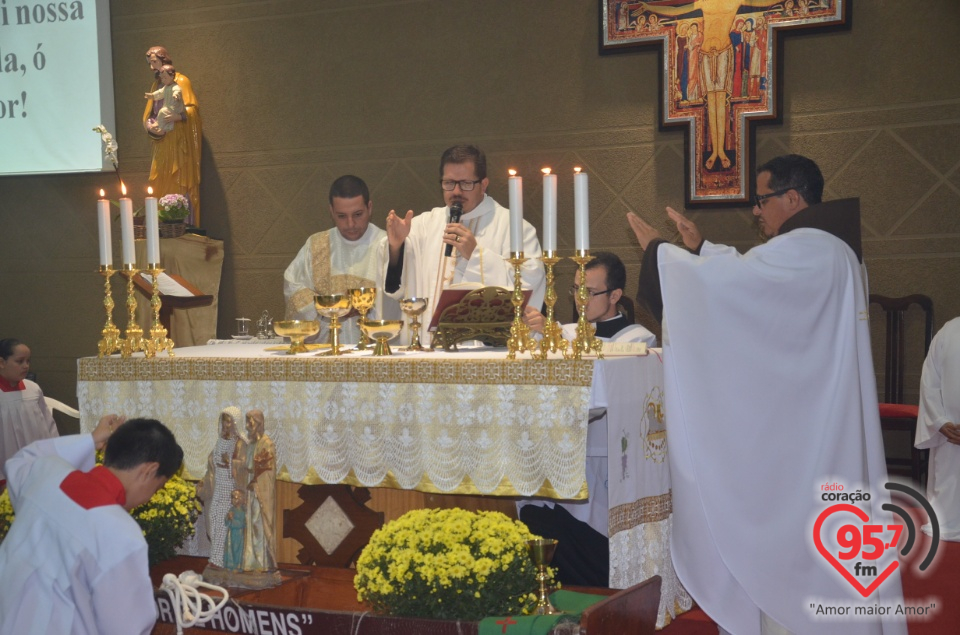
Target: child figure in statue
x,y
216,488
172,97
235,523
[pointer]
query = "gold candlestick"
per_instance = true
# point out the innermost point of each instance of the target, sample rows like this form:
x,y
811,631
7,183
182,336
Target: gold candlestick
x,y
110,335
520,339
552,341
158,340
585,341
133,336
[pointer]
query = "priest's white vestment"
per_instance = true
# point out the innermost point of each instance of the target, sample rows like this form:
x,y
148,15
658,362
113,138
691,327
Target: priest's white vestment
x,y
940,404
770,394
426,271
330,263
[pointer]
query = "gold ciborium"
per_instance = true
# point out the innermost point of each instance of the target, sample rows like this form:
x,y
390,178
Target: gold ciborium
x,y
541,552
296,330
414,307
382,331
333,306
362,299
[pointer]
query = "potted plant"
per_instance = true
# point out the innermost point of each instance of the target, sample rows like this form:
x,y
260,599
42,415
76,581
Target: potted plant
x,y
173,209
448,564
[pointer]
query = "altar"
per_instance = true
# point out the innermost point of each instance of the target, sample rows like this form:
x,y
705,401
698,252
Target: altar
x,y
468,423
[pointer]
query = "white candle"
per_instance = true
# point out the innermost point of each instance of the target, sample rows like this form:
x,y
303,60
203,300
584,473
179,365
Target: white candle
x,y
581,211
103,225
152,227
549,210
126,230
515,185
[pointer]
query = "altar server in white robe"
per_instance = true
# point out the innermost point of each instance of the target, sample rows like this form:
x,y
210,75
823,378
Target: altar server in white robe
x,y
480,241
770,394
348,256
75,560
938,429
24,416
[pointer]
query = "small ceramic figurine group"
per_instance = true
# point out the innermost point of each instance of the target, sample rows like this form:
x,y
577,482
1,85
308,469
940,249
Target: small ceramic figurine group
x,y
239,494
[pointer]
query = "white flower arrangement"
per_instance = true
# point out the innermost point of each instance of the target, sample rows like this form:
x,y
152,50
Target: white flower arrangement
x,y
110,148
173,207
109,145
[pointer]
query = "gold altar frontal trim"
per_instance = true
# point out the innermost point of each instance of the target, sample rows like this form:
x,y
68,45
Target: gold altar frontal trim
x,y
559,372
646,510
466,486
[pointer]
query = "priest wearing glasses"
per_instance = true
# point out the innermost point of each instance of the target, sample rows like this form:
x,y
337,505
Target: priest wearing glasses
x,y
432,251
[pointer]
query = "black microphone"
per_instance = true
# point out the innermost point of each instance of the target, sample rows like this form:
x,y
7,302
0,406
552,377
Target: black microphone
x,y
456,210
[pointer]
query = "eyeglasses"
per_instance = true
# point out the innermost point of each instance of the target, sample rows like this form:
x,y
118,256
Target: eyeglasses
x,y
574,289
466,186
758,199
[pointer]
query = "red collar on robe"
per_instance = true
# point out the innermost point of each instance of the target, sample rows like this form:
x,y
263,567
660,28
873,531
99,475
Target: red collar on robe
x,y
6,387
95,488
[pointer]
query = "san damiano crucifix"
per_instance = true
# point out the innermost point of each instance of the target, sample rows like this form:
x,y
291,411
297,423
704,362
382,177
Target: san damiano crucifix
x,y
718,73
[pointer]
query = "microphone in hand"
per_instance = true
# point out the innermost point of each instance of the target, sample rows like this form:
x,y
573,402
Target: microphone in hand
x,y
456,211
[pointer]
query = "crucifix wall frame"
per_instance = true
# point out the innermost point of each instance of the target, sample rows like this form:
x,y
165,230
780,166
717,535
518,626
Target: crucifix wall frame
x,y
720,71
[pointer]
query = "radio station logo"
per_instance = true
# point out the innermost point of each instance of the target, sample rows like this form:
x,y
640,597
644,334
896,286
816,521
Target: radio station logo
x,y
857,548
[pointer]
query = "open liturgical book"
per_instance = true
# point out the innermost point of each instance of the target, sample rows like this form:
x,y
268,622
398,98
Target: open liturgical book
x,y
456,292
168,286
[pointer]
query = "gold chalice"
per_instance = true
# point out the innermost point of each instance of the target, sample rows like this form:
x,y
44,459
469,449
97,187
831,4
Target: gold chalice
x,y
333,306
363,299
541,552
414,307
382,330
296,330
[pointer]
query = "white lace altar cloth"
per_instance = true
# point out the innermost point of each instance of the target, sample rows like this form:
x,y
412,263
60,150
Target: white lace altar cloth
x,y
462,423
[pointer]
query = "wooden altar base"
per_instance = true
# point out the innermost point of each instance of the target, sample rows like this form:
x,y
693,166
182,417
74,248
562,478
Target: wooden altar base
x,y
322,601
393,503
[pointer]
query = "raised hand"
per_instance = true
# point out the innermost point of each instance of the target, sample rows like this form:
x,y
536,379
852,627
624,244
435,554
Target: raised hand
x,y
398,228
687,228
645,231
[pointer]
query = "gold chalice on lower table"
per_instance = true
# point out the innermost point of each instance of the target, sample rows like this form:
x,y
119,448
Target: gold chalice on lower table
x,y
296,330
541,552
333,306
382,331
414,307
362,299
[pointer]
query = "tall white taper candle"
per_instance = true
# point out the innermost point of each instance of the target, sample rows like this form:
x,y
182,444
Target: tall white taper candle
x,y
126,231
549,210
515,187
103,227
581,211
152,227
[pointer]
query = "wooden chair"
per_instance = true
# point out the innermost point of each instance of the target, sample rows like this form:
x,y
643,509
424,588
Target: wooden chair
x,y
895,416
